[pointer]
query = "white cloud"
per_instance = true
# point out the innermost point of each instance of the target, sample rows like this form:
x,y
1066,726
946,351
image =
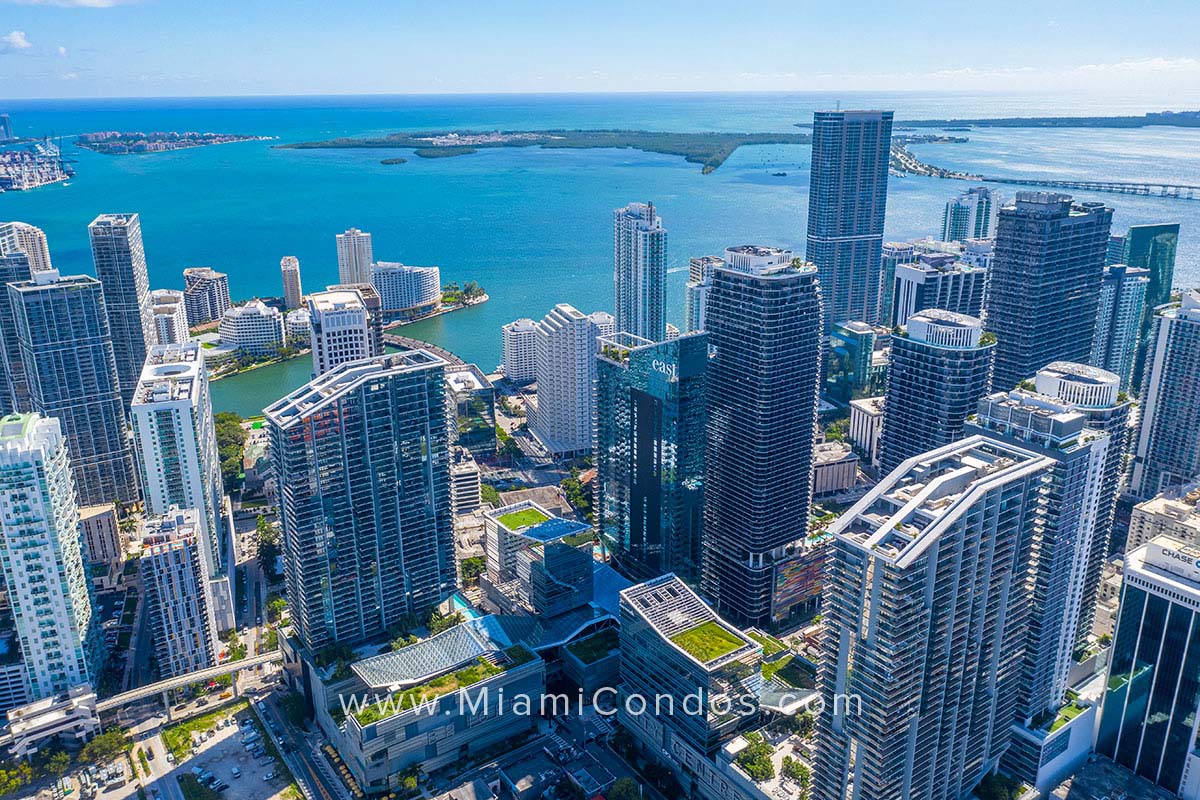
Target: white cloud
x,y
15,41
62,51
72,3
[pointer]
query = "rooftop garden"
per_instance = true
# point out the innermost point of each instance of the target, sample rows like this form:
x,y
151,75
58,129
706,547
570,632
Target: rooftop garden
x,y
791,671
707,641
525,518
770,644
415,696
594,648
577,539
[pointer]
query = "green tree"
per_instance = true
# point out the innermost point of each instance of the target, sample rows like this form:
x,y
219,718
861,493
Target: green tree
x,y
105,747
439,622
14,776
625,789
231,438
471,568
490,494
268,547
755,759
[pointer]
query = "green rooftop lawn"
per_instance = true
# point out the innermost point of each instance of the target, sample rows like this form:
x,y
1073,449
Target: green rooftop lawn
x,y
791,671
578,539
1065,714
707,641
770,644
526,517
414,697
596,647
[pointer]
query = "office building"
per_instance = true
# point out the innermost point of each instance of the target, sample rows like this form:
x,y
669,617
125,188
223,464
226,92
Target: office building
x,y
924,564
894,254
205,294
374,305
1118,322
27,239
15,266
170,316
856,358
835,469
361,457
1151,247
1116,250
256,329
407,292
938,371
68,357
866,425
355,256
695,293
120,263
42,558
764,325
177,584
565,372
1174,513
1152,701
538,565
1044,287
103,542
937,281
1168,445
471,400
640,271
340,329
650,438
293,290
176,444
519,346
847,198
1096,394
971,215
465,489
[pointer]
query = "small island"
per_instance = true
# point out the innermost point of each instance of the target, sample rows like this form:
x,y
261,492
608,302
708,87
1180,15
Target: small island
x,y
708,149
391,161
118,143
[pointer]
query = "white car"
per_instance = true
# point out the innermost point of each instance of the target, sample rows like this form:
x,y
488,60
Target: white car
x,y
269,776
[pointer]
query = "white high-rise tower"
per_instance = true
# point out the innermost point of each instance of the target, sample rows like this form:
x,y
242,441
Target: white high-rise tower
x,y
640,271
355,257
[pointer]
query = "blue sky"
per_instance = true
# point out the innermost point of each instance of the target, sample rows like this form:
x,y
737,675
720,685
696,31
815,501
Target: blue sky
x,y
110,48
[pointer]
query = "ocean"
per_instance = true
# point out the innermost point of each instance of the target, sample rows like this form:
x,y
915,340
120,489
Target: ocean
x,y
532,226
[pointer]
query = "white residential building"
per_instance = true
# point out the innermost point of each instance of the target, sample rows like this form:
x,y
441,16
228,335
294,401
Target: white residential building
x,y
293,292
42,557
407,292
340,328
566,372
296,326
255,328
178,591
640,271
971,215
355,256
29,240
520,350
206,294
176,447
696,291
170,316
866,424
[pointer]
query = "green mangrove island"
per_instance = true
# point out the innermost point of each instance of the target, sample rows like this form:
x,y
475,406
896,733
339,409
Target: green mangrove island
x,y
708,149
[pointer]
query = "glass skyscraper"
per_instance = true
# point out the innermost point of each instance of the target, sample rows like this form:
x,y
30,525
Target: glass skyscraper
x,y
120,262
68,357
1151,247
1044,289
1118,322
847,198
361,457
650,423
14,388
764,325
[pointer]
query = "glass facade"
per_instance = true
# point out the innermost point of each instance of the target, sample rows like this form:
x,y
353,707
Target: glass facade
x,y
650,422
1151,247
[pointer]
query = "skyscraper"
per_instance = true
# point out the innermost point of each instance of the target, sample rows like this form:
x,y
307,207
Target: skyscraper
x,y
1044,290
27,239
936,375
176,580
121,269
170,316
68,356
924,619
566,371
937,281
355,256
1168,446
293,292
41,557
176,444
650,424
205,294
847,198
696,291
1118,323
764,325
894,254
519,343
362,461
340,328
1153,690
640,271
971,215
14,267
1151,247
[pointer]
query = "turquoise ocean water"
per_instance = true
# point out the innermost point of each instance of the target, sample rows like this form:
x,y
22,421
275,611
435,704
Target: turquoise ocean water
x,y
532,226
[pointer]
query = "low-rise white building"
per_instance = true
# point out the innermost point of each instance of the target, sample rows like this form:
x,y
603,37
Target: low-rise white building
x,y
70,715
866,423
296,327
255,328
835,468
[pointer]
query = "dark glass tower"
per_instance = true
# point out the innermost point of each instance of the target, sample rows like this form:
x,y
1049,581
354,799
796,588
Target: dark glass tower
x,y
14,388
1044,290
940,367
361,457
847,198
650,421
764,324
1151,247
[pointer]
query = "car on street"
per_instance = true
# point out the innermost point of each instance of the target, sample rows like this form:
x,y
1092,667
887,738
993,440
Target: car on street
x,y
235,772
